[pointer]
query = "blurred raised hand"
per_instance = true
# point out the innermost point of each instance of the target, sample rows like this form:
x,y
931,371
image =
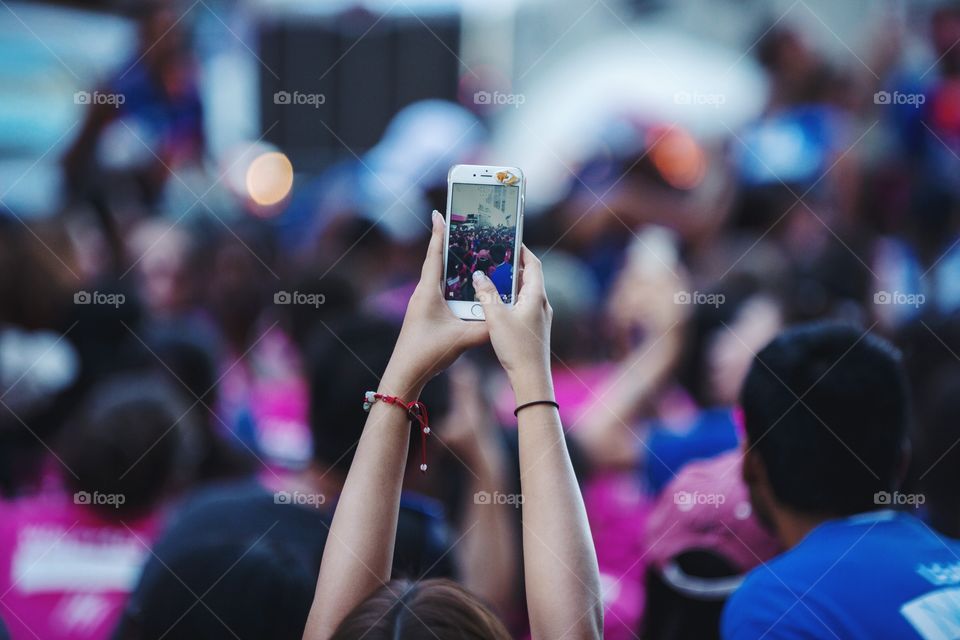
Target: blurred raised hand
x,y
643,302
648,308
487,554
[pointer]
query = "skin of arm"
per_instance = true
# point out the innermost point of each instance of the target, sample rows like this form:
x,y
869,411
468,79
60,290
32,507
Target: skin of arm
x,y
358,555
605,434
489,550
488,553
560,562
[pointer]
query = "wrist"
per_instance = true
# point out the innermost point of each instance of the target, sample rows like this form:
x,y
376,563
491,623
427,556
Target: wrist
x,y
533,385
401,383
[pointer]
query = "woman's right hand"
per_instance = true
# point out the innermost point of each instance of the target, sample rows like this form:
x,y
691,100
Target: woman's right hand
x,y
520,334
563,597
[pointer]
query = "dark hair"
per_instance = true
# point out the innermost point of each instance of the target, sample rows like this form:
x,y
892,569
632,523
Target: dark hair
x,y
346,358
825,407
189,364
133,439
257,592
674,615
497,253
938,459
456,260
426,610
336,296
241,282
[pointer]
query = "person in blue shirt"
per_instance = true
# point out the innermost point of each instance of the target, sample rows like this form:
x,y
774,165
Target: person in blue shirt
x,y
502,275
825,409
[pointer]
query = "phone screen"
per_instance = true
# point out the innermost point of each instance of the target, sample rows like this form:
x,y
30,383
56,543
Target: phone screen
x,y
483,237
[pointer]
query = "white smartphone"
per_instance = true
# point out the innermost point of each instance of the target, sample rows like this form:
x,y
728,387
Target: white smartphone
x,y
484,232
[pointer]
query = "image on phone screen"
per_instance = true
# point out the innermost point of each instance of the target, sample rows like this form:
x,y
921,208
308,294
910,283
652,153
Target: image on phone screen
x,y
483,233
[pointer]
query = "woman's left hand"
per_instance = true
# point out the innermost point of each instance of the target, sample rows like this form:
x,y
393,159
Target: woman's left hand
x,y
432,337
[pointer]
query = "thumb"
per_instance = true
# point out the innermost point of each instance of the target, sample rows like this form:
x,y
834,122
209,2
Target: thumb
x,y
432,272
487,293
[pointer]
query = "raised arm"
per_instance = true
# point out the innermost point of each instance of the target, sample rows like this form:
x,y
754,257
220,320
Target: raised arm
x,y
559,560
359,552
487,552
643,303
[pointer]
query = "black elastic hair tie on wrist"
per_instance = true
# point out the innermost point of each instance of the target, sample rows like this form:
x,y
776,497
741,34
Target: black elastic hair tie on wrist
x,y
530,404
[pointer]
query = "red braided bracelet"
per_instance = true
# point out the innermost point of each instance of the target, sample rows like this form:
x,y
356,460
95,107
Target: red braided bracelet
x,y
416,410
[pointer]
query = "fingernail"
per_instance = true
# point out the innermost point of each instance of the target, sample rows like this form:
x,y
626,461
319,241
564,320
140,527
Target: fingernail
x,y
478,276
437,218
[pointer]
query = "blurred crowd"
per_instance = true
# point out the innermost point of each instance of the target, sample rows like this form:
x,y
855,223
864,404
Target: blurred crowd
x,y
180,395
487,249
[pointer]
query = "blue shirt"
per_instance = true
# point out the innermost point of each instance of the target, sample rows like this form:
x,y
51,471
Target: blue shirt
x,y
666,451
874,576
502,278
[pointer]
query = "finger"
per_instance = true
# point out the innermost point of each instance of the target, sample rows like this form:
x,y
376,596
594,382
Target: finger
x,y
432,272
532,277
487,293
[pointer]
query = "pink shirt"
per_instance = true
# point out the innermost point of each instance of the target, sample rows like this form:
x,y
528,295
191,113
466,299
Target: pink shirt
x,y
266,387
65,572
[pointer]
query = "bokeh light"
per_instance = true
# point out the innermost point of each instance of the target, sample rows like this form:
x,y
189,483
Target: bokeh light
x,y
678,158
269,178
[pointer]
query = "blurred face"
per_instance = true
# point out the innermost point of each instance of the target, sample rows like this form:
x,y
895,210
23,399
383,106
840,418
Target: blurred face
x,y
162,268
732,348
161,36
945,32
795,60
237,291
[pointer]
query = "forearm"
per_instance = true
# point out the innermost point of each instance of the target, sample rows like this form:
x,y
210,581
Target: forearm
x,y
560,564
607,433
358,555
489,548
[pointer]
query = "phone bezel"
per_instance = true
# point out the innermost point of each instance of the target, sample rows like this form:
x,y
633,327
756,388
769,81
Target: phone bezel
x,y
481,174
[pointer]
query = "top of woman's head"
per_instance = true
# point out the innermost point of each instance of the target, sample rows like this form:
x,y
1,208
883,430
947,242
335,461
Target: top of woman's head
x,y
425,610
